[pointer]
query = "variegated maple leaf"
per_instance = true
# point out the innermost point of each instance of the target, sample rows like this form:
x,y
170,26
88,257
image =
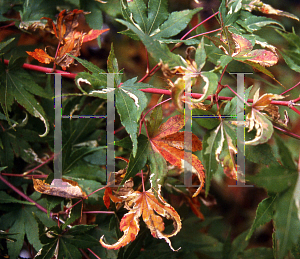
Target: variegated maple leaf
x,y
258,120
69,40
152,210
241,49
167,141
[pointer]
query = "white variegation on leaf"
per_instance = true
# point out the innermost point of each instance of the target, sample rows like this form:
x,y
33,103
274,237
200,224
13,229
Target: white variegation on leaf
x,y
132,96
257,118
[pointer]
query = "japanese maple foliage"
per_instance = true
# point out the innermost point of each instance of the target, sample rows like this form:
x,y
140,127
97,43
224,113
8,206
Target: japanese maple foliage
x,y
69,39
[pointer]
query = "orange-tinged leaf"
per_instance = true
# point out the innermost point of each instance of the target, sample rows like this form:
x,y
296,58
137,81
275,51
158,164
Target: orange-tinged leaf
x,y
244,53
177,140
93,34
66,23
146,205
59,187
172,125
176,157
242,45
72,46
50,25
106,197
263,57
171,154
195,207
263,101
170,144
70,40
41,56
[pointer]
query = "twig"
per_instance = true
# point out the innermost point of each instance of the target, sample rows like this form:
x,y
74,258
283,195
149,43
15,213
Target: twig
x,y
99,212
84,198
148,90
204,33
287,132
143,180
199,24
24,175
45,162
151,110
45,70
23,194
243,100
291,88
93,253
294,109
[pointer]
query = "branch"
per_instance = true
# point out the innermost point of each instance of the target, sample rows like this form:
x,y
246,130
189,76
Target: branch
x,y
45,70
148,90
23,194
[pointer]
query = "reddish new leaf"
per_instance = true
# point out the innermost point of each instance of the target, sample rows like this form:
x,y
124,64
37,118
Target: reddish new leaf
x,y
170,144
41,56
70,40
262,57
93,34
242,50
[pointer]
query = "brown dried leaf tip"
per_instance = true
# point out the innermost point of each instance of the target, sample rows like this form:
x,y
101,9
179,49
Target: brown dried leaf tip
x,y
60,187
69,40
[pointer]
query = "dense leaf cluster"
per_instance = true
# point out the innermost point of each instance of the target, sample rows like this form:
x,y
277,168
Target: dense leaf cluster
x,y
148,131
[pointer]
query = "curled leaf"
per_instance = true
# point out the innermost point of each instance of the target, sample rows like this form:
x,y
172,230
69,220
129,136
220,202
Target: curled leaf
x,y
256,119
146,205
258,5
70,40
59,187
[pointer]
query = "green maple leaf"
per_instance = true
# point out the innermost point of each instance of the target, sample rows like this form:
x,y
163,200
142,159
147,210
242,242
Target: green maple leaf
x,y
129,100
155,20
17,84
20,220
69,240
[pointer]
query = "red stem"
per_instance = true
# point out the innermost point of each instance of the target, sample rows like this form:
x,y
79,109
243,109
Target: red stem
x,y
99,211
237,94
151,110
93,253
24,175
287,132
148,90
199,24
85,198
143,180
8,25
204,33
291,88
45,70
296,100
295,110
23,195
45,162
